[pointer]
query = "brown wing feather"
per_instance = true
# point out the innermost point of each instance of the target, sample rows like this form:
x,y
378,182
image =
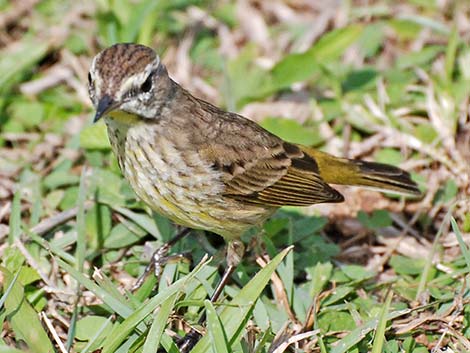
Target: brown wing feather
x,y
259,167
299,185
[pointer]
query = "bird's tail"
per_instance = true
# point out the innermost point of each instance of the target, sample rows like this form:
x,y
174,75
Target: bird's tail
x,y
382,177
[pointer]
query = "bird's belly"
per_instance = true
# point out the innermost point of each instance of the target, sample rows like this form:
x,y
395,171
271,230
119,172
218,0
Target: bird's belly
x,y
183,187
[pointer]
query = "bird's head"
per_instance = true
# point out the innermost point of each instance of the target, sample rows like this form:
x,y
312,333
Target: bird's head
x,y
126,78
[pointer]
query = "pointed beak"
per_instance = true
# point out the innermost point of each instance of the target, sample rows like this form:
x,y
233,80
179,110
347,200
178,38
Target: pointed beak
x,y
105,105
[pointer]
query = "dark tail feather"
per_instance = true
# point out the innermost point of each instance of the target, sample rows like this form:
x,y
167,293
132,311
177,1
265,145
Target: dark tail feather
x,y
385,177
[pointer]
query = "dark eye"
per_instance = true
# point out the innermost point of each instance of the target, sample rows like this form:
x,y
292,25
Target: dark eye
x,y
90,81
147,85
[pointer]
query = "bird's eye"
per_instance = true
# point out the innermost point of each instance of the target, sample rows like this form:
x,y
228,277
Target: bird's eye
x,y
147,85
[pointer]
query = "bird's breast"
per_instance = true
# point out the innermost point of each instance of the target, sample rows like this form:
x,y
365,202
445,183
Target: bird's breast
x,y
177,182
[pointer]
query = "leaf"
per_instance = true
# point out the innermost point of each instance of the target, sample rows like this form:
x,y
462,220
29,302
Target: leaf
x,y
319,277
356,272
299,67
216,330
25,55
346,343
152,342
23,318
122,330
389,156
235,315
420,58
95,137
122,236
378,219
463,247
292,131
88,326
15,218
142,220
406,266
379,337
359,80
336,321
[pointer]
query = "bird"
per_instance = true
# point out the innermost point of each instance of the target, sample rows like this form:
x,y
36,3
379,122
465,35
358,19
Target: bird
x,y
205,168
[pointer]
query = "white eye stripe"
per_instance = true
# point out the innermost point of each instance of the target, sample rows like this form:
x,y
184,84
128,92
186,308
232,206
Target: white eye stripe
x,y
137,80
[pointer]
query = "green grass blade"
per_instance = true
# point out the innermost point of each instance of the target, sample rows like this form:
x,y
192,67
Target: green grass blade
x,y
116,305
8,290
92,341
15,218
356,335
428,265
234,316
4,349
81,232
142,220
23,318
121,331
215,330
152,342
451,52
463,246
379,338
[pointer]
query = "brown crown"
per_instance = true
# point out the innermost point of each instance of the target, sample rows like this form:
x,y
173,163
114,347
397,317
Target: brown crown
x,y
123,60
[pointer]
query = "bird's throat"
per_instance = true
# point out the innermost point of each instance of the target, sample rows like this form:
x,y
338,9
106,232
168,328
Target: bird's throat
x,y
124,117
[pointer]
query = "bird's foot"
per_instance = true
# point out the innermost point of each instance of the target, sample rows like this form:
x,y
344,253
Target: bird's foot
x,y
160,258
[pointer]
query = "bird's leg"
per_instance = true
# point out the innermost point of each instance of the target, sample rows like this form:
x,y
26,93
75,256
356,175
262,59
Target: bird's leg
x,y
159,258
235,252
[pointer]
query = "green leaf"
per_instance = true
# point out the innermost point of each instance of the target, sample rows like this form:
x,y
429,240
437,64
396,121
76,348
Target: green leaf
x,y
60,178
121,236
292,131
29,114
142,220
451,52
336,321
466,223
299,67
378,219
235,315
406,266
15,218
121,331
319,277
97,225
356,272
5,349
379,337
152,342
346,343
463,246
95,137
359,80
389,156
23,318
420,58
215,330
88,326
338,294
27,52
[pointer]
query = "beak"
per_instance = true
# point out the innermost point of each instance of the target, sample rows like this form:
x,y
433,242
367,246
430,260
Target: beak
x,y
105,105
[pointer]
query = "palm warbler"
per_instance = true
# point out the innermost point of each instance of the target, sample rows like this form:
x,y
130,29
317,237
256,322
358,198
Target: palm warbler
x,y
206,168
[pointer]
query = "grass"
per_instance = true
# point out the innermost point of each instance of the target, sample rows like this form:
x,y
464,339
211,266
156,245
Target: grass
x,y
385,81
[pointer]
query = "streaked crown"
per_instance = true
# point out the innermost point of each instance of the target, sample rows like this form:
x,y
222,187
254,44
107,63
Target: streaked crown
x,y
123,77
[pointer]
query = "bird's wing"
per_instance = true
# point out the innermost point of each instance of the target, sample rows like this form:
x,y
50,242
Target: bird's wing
x,y
258,167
